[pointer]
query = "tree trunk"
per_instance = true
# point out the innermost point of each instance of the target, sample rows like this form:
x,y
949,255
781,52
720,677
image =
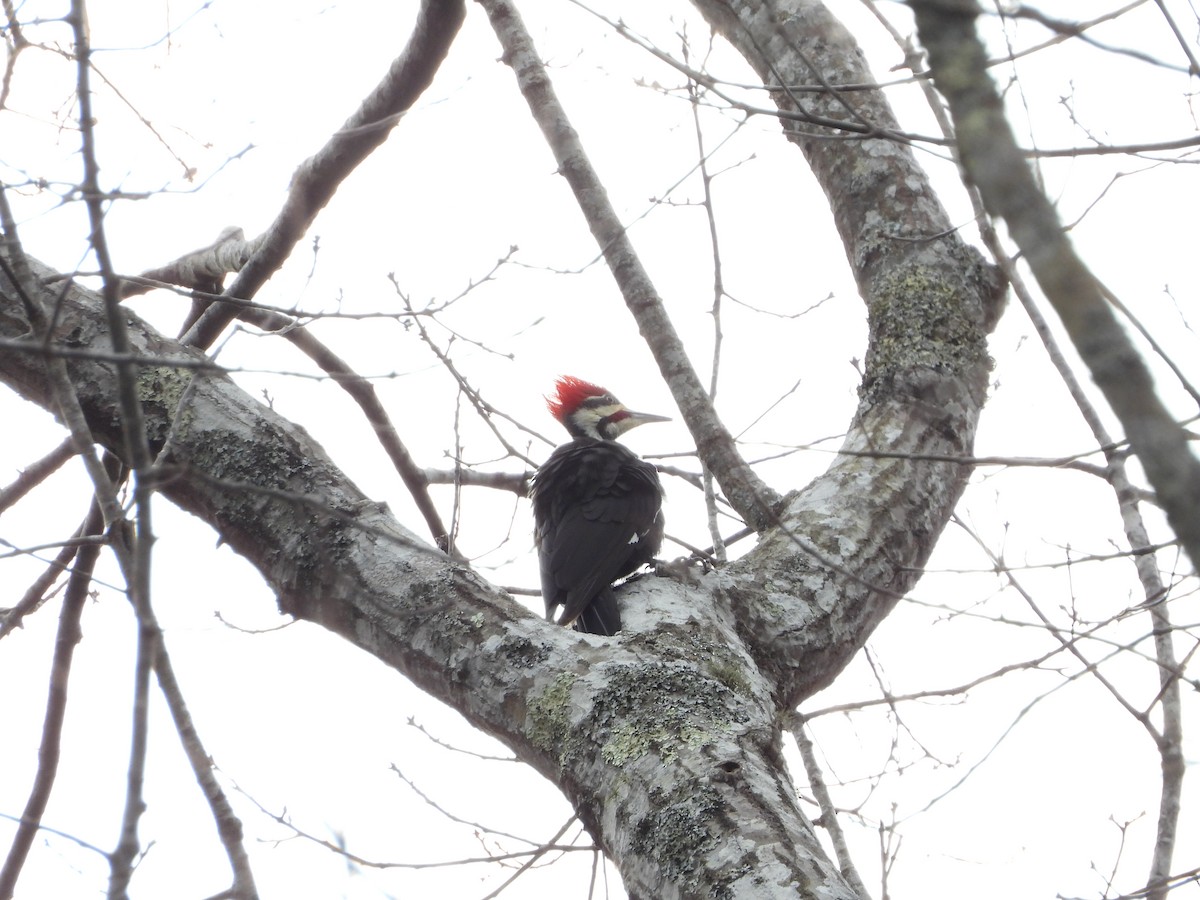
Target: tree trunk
x,y
667,738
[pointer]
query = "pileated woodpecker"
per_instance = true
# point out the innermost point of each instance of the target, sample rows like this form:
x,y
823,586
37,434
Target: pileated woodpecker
x,y
597,508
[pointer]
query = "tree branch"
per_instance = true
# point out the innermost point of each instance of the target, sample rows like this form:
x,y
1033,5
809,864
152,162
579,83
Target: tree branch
x,y
649,734
992,161
35,473
69,634
863,530
746,492
229,826
318,177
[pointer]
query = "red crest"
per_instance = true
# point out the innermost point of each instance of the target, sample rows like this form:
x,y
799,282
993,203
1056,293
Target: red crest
x,y
571,392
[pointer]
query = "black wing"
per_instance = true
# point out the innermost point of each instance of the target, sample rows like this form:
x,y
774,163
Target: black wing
x,y
598,512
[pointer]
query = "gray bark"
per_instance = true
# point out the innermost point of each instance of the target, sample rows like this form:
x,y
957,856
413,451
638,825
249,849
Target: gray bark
x,y
994,163
854,540
667,739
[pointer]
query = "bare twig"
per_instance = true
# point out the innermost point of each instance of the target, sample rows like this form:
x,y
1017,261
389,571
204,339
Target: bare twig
x,y
69,634
536,849
35,473
483,408
229,826
541,851
1169,740
706,179
35,596
318,178
750,496
992,161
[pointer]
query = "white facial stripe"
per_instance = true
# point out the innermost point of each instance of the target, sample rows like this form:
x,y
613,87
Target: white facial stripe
x,y
591,419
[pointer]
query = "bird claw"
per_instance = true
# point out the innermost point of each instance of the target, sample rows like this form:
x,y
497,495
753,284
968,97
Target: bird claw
x,y
680,569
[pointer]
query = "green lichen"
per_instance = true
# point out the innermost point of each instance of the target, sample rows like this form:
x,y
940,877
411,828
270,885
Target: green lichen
x,y
522,653
730,673
160,388
677,835
945,332
164,384
268,463
717,658
549,718
662,707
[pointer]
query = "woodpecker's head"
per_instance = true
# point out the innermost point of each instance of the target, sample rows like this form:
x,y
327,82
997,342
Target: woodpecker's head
x,y
590,411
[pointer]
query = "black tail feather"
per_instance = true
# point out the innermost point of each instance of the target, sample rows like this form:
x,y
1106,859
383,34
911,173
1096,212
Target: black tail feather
x,y
601,616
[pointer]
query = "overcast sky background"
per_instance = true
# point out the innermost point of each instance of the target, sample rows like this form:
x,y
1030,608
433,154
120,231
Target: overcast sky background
x,y
302,722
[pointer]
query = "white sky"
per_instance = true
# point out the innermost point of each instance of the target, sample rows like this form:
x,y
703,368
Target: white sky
x,y
303,722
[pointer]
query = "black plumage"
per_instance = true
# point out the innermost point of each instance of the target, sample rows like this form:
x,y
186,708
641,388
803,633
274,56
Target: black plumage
x,y
597,509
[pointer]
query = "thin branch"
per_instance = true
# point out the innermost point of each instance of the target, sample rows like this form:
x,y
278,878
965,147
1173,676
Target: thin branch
x,y
132,547
137,452
750,496
1067,642
229,826
1169,740
1075,30
35,596
828,819
485,410
992,161
1184,44
363,393
706,179
541,851
69,634
319,177
413,723
122,859
1179,374
35,473
535,848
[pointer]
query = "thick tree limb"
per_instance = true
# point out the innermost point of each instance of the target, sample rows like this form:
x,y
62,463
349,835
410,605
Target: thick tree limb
x,y
856,538
666,739
993,162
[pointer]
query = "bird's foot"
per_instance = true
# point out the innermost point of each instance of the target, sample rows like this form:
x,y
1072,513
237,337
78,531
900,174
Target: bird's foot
x,y
681,568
